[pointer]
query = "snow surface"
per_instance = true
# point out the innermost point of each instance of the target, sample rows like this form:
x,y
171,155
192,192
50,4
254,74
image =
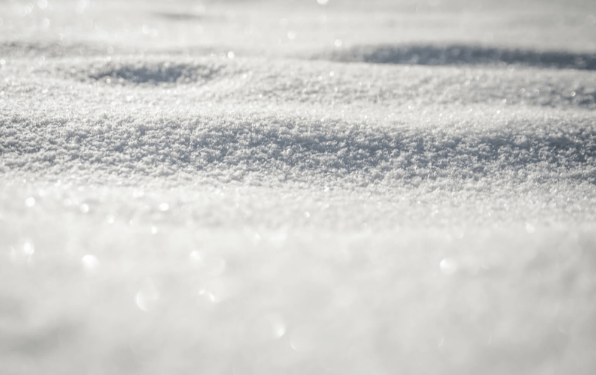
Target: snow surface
x,y
265,187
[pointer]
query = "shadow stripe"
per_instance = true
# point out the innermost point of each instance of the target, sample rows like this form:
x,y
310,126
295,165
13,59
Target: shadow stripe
x,y
462,55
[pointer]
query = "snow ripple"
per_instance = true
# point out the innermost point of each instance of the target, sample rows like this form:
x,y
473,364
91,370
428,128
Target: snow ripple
x,y
464,55
298,148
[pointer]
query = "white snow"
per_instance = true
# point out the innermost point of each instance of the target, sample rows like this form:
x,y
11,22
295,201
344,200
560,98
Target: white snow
x,y
400,187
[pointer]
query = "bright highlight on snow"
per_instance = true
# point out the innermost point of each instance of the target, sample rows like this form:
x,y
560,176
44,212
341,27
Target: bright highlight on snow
x,y
448,266
90,264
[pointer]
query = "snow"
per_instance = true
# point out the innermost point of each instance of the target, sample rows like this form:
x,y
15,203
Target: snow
x,y
399,187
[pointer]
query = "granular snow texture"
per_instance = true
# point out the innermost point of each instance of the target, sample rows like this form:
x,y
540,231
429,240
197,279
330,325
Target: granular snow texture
x,y
280,187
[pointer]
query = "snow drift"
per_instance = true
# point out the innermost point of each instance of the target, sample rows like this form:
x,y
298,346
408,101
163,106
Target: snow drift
x,y
297,187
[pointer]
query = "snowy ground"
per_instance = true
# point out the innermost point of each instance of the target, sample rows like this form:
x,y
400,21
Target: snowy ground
x,y
287,187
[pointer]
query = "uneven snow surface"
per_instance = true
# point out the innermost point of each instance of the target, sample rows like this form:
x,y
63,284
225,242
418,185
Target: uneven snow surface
x,y
297,187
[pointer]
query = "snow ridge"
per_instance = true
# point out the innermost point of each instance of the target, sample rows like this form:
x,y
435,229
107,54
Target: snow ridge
x,y
294,146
